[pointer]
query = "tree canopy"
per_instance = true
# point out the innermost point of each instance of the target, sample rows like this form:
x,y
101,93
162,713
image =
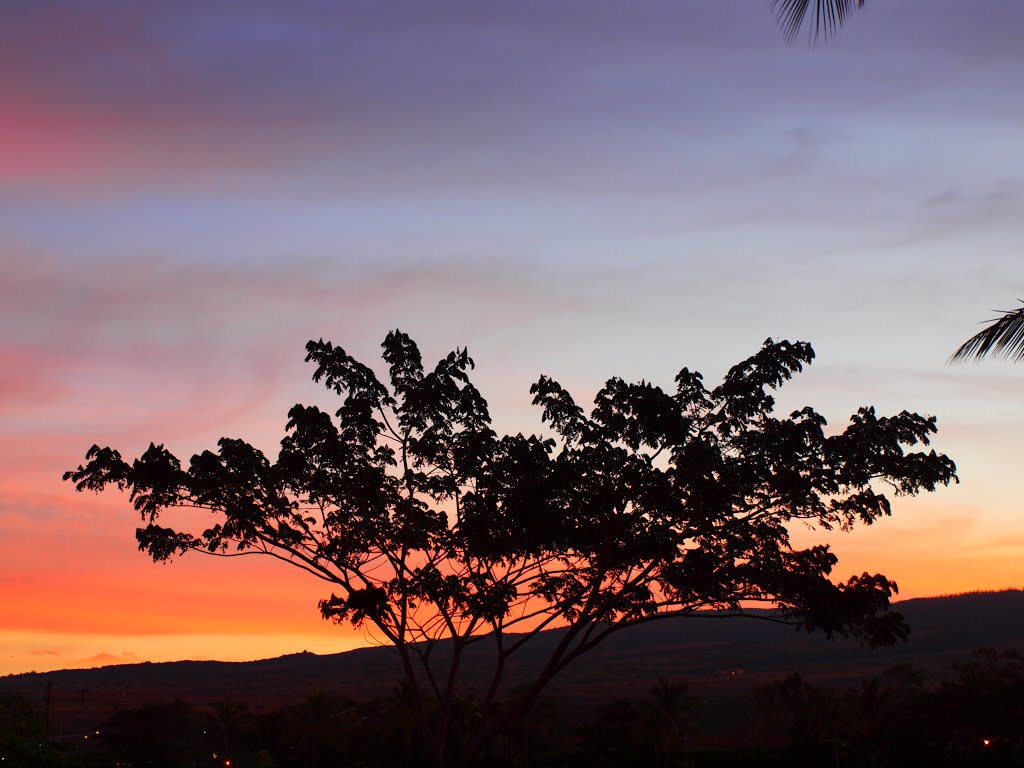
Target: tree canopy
x,y
428,526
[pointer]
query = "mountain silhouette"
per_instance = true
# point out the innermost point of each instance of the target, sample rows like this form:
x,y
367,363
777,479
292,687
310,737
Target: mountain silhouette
x,y
720,658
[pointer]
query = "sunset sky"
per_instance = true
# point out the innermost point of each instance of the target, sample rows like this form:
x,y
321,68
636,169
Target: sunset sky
x,y
584,188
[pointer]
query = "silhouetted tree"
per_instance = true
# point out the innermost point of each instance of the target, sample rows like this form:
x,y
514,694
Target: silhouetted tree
x,y
668,712
985,700
429,526
393,723
23,737
1003,338
817,719
319,731
162,735
882,719
617,734
543,728
231,718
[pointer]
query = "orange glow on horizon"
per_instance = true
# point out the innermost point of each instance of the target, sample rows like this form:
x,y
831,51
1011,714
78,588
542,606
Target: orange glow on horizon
x,y
76,580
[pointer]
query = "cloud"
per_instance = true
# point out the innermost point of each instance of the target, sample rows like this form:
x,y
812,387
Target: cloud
x,y
991,201
26,378
360,99
182,342
45,652
104,659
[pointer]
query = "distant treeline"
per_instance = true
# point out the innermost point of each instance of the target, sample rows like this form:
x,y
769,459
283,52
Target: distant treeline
x,y
896,718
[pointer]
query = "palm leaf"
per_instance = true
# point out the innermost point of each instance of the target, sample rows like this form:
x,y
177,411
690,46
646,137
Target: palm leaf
x,y
828,16
1003,338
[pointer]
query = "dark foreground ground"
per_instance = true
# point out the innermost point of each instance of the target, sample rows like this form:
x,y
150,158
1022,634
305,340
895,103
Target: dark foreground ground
x,y
700,693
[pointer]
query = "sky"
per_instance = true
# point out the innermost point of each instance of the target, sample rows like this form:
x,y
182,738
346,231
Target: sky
x,y
190,191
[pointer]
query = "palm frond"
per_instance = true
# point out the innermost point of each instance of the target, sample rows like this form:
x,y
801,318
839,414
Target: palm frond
x,y
828,17
1003,338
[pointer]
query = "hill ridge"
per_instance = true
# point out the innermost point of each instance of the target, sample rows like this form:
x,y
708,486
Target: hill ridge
x,y
943,629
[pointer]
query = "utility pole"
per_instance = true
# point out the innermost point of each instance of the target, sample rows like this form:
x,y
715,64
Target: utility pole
x,y
49,707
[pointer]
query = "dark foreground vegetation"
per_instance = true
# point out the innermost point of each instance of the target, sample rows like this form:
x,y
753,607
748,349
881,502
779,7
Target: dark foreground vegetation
x,y
973,715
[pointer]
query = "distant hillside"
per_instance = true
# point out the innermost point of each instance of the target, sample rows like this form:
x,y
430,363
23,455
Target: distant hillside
x,y
724,655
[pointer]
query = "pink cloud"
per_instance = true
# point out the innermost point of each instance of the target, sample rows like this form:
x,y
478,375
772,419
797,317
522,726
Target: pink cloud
x,y
131,322
104,659
113,97
27,377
